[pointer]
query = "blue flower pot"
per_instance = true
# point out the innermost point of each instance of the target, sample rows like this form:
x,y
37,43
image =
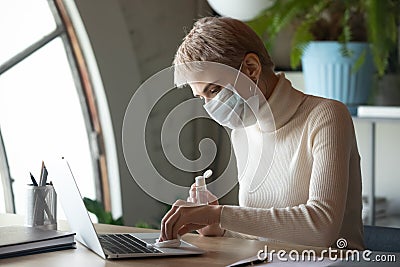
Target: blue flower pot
x,y
329,74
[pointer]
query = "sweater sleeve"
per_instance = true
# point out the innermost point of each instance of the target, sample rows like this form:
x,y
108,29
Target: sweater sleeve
x,y
316,222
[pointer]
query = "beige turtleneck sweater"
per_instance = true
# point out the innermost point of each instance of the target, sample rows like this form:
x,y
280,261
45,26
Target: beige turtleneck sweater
x,y
305,189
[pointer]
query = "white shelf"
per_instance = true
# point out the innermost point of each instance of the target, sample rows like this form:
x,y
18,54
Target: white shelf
x,y
383,112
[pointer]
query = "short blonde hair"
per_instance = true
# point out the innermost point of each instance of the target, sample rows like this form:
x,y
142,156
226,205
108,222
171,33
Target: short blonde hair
x,y
222,40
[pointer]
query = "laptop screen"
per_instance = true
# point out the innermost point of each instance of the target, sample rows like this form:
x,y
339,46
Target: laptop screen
x,y
71,201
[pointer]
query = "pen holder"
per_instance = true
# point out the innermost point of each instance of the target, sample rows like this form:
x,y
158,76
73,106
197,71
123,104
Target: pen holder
x,y
41,207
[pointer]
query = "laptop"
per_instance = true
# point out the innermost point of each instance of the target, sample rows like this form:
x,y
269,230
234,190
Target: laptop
x,y
107,246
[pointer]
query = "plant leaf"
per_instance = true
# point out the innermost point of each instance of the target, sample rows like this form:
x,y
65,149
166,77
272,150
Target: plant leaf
x,y
119,221
97,209
303,35
359,62
382,30
346,34
301,40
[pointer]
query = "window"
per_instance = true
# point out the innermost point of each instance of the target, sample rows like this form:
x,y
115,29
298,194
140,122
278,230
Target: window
x,y
44,107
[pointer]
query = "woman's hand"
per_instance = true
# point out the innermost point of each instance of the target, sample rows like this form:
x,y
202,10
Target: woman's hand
x,y
185,217
211,199
209,230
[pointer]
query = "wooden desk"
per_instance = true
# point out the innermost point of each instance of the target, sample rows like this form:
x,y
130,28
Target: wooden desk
x,y
220,250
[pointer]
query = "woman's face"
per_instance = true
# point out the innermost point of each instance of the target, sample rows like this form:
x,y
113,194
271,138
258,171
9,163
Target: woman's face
x,y
213,77
206,91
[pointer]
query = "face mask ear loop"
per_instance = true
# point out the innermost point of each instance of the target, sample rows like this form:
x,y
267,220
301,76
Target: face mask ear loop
x,y
255,89
237,76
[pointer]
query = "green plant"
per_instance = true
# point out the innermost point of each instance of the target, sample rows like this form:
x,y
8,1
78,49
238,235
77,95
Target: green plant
x,y
102,215
143,224
373,21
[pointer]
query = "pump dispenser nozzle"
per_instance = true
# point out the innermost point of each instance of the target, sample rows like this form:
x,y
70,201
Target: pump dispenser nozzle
x,y
207,174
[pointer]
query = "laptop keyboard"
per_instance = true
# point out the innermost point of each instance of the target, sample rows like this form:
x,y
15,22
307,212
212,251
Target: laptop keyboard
x,y
125,244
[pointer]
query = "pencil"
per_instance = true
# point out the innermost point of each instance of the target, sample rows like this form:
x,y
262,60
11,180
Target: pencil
x,y
33,180
43,175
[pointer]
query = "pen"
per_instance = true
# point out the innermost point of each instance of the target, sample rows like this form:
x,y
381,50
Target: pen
x,y
33,180
43,175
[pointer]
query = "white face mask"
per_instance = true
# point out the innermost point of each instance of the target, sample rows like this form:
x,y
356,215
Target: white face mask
x,y
229,109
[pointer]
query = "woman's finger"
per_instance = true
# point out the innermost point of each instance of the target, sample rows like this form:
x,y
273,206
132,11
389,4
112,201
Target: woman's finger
x,y
180,202
190,214
171,223
187,215
211,199
182,216
170,218
192,193
163,235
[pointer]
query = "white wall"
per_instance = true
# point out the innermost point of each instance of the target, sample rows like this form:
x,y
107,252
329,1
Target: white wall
x,y
156,29
132,40
118,66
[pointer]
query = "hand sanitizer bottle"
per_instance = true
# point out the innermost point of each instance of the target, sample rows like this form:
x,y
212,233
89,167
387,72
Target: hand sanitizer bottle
x,y
201,188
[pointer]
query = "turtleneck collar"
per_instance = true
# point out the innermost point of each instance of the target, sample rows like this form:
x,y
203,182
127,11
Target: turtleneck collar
x,y
283,102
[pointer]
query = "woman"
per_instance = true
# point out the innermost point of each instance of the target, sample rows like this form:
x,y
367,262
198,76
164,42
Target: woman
x,y
312,191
